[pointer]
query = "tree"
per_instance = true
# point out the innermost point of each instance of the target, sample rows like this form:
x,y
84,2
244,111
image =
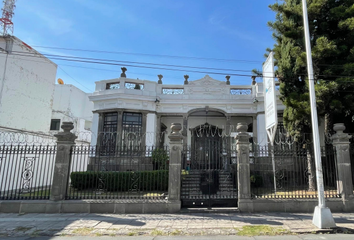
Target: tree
x,y
332,41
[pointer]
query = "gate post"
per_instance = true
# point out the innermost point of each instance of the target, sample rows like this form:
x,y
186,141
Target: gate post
x,y
174,179
341,144
65,141
243,168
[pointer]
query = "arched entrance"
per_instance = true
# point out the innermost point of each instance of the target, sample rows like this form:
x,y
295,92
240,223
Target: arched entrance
x,y
206,147
209,176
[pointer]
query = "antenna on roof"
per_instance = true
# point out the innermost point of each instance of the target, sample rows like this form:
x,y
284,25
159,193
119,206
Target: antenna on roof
x,y
6,24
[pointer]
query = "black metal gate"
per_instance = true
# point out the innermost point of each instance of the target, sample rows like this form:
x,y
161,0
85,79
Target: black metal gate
x,y
209,174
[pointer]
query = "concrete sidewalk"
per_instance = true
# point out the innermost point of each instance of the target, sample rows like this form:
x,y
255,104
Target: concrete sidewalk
x,y
15,225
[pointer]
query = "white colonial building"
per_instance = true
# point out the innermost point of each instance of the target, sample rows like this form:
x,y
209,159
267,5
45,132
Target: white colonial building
x,y
126,105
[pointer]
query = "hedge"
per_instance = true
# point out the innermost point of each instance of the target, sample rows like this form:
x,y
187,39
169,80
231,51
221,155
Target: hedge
x,y
121,181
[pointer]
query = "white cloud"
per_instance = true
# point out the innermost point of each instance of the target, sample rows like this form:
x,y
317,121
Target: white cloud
x,y
57,25
218,19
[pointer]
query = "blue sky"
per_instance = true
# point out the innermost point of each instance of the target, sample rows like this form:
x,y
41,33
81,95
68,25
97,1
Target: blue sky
x,y
227,29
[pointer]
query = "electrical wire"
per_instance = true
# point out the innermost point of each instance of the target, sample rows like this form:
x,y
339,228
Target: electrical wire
x,y
146,54
114,62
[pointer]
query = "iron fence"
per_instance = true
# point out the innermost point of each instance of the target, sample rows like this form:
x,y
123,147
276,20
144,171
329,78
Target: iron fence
x,y
125,173
351,153
26,172
290,173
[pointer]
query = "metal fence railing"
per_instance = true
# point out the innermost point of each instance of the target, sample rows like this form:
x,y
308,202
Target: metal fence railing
x,y
290,173
124,173
26,171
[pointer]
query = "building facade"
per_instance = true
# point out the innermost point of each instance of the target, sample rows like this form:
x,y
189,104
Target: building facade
x,y
26,87
123,106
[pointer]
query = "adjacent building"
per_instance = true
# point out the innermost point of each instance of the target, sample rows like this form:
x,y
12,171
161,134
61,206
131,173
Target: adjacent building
x,y
26,87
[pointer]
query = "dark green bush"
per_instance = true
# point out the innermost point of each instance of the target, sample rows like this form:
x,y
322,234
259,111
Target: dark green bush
x,y
121,181
256,181
159,158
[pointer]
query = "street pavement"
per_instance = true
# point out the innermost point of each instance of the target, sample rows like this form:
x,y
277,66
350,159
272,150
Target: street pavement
x,y
285,237
162,226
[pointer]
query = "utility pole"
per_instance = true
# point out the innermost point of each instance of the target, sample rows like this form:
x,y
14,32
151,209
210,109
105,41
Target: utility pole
x,y
322,217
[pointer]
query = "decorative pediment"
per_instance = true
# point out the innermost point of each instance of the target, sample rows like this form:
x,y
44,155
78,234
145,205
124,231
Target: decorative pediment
x,y
207,86
207,81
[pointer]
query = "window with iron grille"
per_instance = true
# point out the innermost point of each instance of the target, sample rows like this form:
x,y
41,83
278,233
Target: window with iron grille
x,y
132,131
109,133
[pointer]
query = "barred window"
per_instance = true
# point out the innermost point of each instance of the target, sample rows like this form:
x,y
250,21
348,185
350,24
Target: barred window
x,y
132,130
109,134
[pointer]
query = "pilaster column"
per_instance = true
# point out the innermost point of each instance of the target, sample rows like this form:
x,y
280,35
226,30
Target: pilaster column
x,y
119,130
65,141
185,131
144,120
100,128
174,180
158,130
341,144
243,162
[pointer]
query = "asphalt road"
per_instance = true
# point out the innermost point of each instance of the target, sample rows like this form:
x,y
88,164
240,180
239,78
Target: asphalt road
x,y
285,237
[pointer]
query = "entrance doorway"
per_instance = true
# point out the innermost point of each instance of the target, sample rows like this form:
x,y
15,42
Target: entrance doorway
x,y
208,178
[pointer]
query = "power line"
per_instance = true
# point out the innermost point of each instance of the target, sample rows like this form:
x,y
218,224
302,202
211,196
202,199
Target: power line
x,y
151,55
113,62
74,79
136,66
133,62
169,56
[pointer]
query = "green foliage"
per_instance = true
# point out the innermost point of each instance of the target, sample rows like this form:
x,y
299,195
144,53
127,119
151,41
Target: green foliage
x,y
159,158
121,181
332,40
256,181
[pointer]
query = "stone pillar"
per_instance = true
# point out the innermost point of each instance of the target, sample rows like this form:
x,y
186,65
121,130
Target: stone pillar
x,y
174,182
243,168
65,141
341,144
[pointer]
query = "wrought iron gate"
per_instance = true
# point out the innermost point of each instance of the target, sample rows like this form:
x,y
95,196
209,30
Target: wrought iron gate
x,y
209,174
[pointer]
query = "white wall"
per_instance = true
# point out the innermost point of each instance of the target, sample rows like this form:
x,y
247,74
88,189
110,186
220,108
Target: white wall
x,y
26,88
72,104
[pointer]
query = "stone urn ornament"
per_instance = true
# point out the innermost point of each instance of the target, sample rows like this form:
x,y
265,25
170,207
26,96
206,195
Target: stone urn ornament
x,y
227,80
175,128
254,80
124,69
186,79
241,127
160,79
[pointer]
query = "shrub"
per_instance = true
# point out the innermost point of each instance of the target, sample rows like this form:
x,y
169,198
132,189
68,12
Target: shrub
x,y
159,158
121,181
256,181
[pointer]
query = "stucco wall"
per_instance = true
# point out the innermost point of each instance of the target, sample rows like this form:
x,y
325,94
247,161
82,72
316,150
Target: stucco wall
x,y
26,88
71,104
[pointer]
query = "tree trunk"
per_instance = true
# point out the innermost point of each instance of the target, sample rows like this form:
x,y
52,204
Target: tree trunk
x,y
328,123
311,170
